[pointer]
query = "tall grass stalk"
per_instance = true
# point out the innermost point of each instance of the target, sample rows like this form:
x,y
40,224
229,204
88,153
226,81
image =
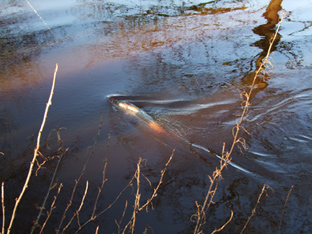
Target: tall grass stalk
x,y
52,207
76,213
61,154
36,151
280,225
264,189
200,216
137,207
3,207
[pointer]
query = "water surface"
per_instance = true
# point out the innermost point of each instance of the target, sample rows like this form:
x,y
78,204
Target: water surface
x,y
185,64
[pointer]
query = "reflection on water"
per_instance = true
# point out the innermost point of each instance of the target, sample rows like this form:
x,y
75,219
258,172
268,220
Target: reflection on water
x,y
184,63
266,32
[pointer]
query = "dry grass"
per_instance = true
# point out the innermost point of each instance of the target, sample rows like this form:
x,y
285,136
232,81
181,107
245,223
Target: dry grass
x,y
129,226
215,178
36,152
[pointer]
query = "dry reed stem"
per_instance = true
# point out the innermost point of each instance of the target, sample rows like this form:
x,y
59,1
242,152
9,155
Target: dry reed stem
x,y
137,197
76,213
223,226
280,225
97,229
49,103
52,207
226,156
100,188
137,208
107,208
122,217
119,195
3,207
61,155
77,182
264,188
82,201
159,183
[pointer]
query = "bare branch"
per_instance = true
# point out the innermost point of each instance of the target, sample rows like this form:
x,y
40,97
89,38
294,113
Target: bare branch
x,y
3,207
280,225
49,103
264,188
51,208
223,226
61,153
226,156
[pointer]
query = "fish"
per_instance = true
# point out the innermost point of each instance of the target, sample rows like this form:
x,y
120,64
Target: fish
x,y
132,110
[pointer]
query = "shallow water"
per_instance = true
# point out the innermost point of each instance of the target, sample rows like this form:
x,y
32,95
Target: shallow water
x,y
184,64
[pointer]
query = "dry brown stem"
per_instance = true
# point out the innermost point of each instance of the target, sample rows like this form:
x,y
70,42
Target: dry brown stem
x,y
280,225
200,215
121,219
95,216
264,189
158,185
52,207
76,184
76,213
137,208
100,188
61,154
3,207
223,226
18,200
97,229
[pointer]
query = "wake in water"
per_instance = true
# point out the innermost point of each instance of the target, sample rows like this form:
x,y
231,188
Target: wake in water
x,y
171,136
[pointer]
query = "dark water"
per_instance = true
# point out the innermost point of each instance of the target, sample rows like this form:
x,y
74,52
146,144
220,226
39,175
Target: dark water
x,y
183,63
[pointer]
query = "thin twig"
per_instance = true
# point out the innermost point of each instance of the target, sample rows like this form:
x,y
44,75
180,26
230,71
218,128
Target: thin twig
x,y
137,197
280,225
49,103
97,229
108,207
3,207
226,155
254,210
82,201
223,226
100,189
137,208
61,154
122,217
76,213
52,207
159,183
78,180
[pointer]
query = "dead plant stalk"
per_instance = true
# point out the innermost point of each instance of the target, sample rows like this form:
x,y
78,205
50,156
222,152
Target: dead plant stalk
x,y
264,188
137,208
51,209
61,154
32,163
3,207
226,155
76,213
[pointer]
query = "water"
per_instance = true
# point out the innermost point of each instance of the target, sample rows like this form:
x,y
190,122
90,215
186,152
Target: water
x,y
184,64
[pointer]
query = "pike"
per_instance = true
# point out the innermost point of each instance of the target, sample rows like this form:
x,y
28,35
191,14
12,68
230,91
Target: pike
x,y
133,110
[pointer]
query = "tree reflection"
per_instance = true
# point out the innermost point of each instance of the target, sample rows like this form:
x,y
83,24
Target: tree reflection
x,y
266,32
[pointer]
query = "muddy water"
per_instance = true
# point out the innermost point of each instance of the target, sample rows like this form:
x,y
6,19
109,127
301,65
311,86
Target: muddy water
x,y
185,65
